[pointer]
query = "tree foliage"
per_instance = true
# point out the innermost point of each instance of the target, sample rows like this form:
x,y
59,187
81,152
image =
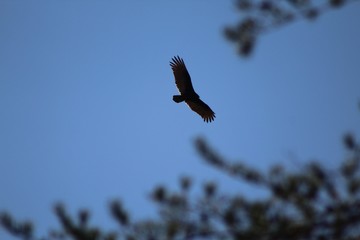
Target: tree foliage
x,y
311,203
260,16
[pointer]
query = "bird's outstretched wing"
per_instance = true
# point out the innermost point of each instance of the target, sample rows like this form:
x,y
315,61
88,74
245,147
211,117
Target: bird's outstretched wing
x,y
202,109
182,76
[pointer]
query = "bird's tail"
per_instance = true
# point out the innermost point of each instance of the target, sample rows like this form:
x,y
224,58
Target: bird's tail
x,y
178,98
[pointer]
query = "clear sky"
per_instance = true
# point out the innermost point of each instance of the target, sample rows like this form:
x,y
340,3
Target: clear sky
x,y
86,110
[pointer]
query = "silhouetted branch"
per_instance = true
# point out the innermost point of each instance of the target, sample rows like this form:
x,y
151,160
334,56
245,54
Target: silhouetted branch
x,y
260,16
311,203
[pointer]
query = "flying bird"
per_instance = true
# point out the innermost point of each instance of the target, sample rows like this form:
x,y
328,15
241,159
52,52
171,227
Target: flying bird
x,y
187,92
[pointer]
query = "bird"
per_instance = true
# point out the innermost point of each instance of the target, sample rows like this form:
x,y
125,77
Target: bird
x,y
187,92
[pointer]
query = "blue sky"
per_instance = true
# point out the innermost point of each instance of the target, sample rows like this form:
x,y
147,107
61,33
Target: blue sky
x,y
86,99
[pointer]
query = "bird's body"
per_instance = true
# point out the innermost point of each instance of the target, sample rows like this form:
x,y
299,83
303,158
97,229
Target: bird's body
x,y
187,92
